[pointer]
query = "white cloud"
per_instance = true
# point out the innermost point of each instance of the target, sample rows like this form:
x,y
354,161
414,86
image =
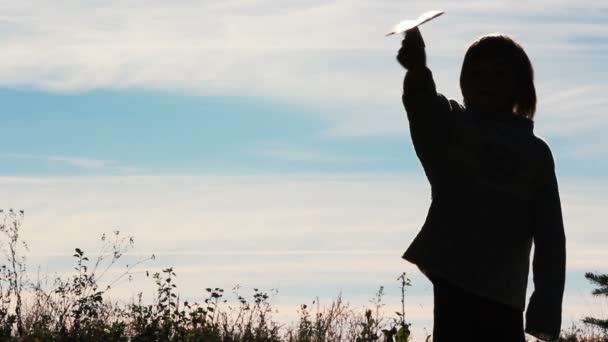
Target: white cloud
x,y
258,213
307,234
568,110
80,162
295,153
298,153
331,53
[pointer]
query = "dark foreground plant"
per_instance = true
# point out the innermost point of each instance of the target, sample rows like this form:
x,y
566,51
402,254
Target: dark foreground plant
x,y
601,281
76,307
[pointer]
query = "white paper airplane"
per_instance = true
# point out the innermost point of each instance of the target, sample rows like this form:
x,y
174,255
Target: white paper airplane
x,y
407,24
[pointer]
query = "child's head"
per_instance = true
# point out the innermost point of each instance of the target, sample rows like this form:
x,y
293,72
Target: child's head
x,y
497,76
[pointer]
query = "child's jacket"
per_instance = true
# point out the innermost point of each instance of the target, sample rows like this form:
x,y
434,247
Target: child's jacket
x,y
494,193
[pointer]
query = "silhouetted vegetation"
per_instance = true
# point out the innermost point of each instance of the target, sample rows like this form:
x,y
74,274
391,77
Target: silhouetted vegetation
x,y
76,307
601,280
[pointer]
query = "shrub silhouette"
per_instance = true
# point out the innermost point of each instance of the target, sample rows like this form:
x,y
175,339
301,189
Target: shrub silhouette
x,y
76,307
601,280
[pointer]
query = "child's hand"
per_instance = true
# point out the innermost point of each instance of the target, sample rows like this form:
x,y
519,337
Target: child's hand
x,y
412,54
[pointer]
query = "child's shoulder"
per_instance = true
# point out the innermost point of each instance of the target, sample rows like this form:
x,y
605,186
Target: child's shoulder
x,y
543,150
455,106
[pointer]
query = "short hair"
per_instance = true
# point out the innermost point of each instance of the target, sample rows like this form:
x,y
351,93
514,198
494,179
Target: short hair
x,y
499,45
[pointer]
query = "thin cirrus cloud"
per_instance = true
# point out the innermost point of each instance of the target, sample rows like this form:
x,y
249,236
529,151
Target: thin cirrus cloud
x,y
574,110
296,153
78,162
308,235
328,53
259,213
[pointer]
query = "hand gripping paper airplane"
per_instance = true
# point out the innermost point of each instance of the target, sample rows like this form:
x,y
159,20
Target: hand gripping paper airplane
x,y
408,24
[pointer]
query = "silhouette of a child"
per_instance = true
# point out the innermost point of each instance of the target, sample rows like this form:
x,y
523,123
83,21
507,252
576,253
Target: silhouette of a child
x,y
494,193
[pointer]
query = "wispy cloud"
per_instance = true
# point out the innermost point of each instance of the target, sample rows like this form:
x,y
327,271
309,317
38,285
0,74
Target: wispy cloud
x,y
567,110
330,53
308,234
294,153
256,214
79,162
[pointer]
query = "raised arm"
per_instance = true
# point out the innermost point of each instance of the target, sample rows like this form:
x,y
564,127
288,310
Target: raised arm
x,y
427,111
544,312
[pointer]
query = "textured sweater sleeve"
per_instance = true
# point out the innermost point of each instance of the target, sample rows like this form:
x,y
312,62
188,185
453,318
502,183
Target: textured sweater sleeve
x,y
428,114
427,110
544,312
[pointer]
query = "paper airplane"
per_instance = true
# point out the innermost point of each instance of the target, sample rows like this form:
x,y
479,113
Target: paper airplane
x,y
407,24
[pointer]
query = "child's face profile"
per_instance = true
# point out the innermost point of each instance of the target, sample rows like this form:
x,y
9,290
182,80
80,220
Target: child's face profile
x,y
489,85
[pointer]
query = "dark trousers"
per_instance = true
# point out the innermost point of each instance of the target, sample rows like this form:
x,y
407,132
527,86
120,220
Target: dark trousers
x,y
463,316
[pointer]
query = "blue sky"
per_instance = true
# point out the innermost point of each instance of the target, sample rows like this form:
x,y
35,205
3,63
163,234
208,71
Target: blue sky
x,y
151,131
272,133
